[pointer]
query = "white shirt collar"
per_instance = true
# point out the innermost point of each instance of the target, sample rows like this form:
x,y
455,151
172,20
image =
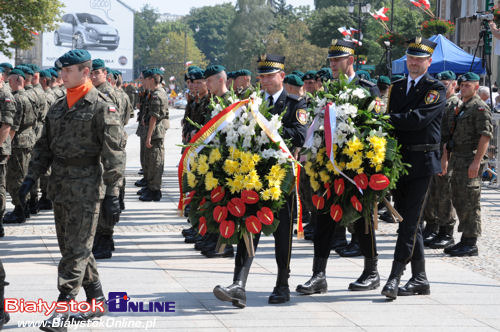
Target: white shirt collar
x,y
275,96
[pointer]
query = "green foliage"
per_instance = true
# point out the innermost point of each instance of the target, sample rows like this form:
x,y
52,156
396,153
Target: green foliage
x,y
19,18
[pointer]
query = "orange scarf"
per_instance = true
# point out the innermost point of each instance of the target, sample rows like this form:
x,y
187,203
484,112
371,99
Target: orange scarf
x,y
75,94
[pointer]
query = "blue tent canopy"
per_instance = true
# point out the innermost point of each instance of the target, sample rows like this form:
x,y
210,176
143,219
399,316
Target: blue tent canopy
x,y
447,56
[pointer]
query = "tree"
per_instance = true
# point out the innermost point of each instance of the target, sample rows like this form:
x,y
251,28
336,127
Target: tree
x,y
144,23
325,22
21,20
211,24
169,53
320,4
246,34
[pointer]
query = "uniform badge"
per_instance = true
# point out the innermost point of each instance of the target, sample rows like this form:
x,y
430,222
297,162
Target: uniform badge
x,y
432,97
7,100
112,109
302,116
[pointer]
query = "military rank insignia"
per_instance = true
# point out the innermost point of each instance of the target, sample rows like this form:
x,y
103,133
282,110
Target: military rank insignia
x,y
302,116
431,97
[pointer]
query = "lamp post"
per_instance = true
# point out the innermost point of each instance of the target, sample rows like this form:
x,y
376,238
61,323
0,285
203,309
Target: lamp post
x,y
388,57
363,8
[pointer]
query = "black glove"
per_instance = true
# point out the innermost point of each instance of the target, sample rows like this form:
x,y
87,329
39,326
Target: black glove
x,y
25,188
111,209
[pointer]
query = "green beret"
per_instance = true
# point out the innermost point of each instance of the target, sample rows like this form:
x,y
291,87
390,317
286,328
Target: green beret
x,y
147,73
293,79
446,75
309,75
190,68
153,71
324,74
73,57
469,77
25,69
231,74
384,80
396,78
242,72
213,70
363,74
54,72
298,73
33,67
98,64
2,69
6,65
45,73
196,74
17,71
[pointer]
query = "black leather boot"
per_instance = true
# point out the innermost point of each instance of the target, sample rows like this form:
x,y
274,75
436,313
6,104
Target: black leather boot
x,y
443,239
227,252
17,216
281,292
33,205
97,239
151,195
339,240
104,248
56,322
317,283
369,279
44,203
352,249
466,247
141,183
141,191
418,284
390,289
189,231
235,293
93,292
429,233
4,316
121,198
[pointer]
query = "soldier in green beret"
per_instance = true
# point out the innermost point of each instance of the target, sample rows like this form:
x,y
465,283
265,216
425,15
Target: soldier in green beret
x,y
243,83
466,135
294,85
309,80
439,213
383,84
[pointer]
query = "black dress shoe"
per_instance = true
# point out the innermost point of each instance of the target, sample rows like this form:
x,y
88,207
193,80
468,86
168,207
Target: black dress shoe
x,y
192,239
418,284
441,241
280,294
188,231
369,279
151,195
387,217
454,247
351,250
142,191
140,172
468,247
234,293
227,252
317,284
17,216
141,183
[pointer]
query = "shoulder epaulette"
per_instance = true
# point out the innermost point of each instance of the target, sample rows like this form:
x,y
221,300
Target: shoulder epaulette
x,y
294,97
366,82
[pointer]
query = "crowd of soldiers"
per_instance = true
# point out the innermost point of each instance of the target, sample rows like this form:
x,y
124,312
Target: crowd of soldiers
x,y
62,133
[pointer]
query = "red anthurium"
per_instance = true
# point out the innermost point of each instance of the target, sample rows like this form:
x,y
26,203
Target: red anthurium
x,y
202,226
318,201
189,197
249,196
253,224
328,190
217,194
226,228
379,182
203,201
220,213
191,193
266,216
336,212
356,203
338,186
361,181
236,207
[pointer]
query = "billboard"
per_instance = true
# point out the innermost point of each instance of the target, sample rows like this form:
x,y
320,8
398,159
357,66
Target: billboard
x,y
103,27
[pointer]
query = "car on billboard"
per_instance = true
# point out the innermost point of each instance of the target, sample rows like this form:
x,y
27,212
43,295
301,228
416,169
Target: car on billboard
x,y
84,30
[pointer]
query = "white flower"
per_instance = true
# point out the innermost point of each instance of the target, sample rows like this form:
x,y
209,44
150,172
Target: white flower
x,y
317,141
263,139
360,93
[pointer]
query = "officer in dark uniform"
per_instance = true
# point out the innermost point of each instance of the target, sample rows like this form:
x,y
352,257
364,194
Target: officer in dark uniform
x,y
271,71
341,57
416,106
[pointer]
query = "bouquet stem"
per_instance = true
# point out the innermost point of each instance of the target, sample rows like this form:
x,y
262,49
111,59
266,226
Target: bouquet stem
x,y
395,214
220,246
249,244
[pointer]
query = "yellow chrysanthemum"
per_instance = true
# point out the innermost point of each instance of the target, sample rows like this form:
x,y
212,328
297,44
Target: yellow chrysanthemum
x,y
231,166
234,153
214,156
266,195
202,159
356,162
378,168
314,184
203,168
193,164
191,179
210,181
319,159
355,144
360,170
276,175
255,158
275,193
324,176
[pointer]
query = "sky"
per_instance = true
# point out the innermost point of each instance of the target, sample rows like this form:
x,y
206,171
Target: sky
x,y
182,7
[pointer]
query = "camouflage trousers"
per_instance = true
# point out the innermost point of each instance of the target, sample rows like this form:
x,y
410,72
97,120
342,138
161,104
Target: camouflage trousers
x,y
3,191
154,159
466,196
439,210
76,224
17,167
142,152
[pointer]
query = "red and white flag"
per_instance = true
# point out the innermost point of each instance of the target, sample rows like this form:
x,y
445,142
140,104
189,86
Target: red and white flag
x,y
345,32
425,3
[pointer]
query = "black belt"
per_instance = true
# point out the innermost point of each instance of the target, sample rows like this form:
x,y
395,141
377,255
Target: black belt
x,y
81,162
422,147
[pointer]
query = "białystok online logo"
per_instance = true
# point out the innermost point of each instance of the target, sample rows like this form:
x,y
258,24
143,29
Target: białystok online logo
x,y
117,302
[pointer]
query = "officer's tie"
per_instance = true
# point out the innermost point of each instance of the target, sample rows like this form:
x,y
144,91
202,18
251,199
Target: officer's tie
x,y
270,100
412,87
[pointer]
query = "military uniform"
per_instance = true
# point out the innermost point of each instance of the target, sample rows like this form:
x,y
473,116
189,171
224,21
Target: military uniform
x,y
83,145
7,113
461,133
415,110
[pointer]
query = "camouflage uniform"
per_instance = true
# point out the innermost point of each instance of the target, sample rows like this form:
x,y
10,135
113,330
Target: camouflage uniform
x,y
7,112
154,157
439,211
83,145
131,92
22,144
141,131
473,120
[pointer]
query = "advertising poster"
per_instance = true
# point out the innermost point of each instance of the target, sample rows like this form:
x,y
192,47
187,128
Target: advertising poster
x,y
103,27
